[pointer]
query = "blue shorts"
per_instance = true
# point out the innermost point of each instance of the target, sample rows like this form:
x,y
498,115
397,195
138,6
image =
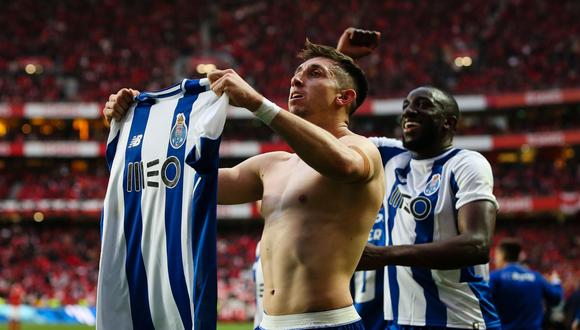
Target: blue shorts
x,y
338,319
392,326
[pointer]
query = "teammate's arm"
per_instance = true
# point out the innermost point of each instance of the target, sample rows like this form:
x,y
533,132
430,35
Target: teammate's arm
x,y
353,160
475,222
358,43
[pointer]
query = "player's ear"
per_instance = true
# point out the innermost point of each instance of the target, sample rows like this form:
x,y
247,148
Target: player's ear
x,y
345,97
450,122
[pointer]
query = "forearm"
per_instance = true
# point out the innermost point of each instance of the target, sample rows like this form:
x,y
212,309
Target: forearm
x,y
317,147
457,252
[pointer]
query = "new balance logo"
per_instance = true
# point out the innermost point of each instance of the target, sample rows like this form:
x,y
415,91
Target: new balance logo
x,y
135,141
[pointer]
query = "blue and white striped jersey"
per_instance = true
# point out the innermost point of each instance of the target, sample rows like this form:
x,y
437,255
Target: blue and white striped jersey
x,y
158,257
421,201
259,288
367,285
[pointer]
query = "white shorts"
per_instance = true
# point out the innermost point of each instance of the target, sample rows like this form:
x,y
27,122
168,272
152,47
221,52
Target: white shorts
x,y
315,320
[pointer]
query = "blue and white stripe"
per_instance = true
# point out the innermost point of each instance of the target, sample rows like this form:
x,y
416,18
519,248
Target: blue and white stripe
x,y
422,200
154,234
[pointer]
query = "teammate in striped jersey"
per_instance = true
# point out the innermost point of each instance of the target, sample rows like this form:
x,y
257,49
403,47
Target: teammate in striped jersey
x,y
158,257
440,220
367,285
309,247
440,211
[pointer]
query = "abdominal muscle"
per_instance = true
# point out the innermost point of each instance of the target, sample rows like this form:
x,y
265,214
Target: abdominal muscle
x,y
303,270
315,231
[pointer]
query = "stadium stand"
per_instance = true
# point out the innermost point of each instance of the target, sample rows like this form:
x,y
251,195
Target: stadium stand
x,y
519,87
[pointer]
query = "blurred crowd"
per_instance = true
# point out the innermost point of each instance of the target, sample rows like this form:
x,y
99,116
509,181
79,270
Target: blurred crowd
x,y
495,123
535,172
81,51
58,264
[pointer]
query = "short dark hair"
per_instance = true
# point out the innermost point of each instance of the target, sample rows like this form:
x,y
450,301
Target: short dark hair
x,y
511,248
345,63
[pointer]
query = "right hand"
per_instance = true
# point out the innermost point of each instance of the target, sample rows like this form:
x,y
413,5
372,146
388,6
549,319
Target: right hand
x,y
241,94
358,43
119,104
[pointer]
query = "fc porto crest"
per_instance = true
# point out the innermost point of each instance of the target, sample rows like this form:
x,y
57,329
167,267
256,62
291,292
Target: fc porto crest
x,y
433,185
178,132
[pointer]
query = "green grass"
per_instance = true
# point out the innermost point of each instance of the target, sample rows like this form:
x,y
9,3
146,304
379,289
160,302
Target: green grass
x,y
221,326
26,326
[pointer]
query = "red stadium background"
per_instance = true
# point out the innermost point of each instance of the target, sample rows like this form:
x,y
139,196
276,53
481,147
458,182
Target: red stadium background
x,y
513,66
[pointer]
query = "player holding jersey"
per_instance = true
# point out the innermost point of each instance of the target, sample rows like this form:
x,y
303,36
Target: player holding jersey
x,y
309,247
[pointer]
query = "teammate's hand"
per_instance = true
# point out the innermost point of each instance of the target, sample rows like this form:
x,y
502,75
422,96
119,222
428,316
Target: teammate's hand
x,y
119,104
240,93
358,43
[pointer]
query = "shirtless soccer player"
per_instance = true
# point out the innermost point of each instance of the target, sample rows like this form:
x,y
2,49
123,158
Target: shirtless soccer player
x,y
320,203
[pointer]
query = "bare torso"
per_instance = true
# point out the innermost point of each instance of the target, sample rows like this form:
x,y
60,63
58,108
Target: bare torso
x,y
314,234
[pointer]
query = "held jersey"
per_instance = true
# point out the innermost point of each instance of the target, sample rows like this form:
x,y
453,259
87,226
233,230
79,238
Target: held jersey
x,y
367,285
259,288
421,202
158,258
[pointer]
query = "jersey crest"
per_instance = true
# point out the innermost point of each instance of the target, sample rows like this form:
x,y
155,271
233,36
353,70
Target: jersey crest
x,y
178,132
433,185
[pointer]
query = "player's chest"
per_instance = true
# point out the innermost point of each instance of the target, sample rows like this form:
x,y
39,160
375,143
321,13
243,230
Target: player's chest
x,y
293,183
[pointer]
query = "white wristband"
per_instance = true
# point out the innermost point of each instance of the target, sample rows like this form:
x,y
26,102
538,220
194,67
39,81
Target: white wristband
x,y
267,111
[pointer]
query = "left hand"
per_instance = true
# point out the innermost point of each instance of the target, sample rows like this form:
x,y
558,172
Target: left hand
x,y
241,94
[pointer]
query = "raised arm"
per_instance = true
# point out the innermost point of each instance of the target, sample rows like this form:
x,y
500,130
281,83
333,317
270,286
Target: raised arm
x,y
358,43
476,223
350,159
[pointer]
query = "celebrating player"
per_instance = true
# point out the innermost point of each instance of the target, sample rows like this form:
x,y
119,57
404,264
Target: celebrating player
x,y
318,204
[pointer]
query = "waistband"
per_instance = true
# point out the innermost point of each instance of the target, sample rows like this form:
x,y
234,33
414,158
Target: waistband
x,y
335,317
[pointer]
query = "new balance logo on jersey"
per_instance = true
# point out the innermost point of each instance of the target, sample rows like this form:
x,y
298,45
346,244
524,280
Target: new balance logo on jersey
x,y
138,178
135,141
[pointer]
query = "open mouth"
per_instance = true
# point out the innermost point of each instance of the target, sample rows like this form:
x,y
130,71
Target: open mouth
x,y
409,126
294,96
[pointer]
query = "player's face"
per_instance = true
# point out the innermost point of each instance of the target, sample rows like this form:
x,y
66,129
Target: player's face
x,y
422,120
313,87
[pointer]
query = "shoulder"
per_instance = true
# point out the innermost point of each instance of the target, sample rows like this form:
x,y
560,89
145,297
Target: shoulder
x,y
271,157
388,148
384,142
469,161
360,142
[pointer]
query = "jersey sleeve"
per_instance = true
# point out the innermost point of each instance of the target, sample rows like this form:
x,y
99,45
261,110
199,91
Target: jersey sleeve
x,y
388,148
473,179
207,121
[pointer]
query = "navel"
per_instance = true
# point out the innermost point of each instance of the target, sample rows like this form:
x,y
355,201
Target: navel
x,y
302,198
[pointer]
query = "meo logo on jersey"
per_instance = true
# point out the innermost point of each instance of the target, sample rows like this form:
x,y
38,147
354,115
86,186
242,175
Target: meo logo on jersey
x,y
178,132
420,207
141,174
